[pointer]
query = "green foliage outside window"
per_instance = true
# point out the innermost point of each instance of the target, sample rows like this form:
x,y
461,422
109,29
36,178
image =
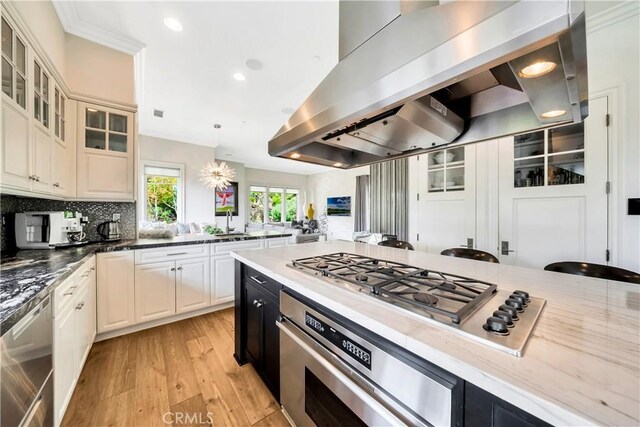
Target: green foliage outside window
x,y
291,206
275,207
256,206
162,198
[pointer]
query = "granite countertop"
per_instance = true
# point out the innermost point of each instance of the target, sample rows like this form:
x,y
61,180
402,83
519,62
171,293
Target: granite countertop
x,y
580,367
28,276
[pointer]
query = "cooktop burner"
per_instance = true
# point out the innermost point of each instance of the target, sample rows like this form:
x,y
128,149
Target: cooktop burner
x,y
445,297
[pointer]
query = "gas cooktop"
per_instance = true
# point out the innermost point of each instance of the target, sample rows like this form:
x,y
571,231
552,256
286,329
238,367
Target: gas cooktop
x,y
459,302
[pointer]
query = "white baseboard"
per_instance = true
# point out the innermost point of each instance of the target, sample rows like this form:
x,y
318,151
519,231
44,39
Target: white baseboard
x,y
158,322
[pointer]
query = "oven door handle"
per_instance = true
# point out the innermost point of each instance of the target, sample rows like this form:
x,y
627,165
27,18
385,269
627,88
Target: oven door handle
x,y
392,418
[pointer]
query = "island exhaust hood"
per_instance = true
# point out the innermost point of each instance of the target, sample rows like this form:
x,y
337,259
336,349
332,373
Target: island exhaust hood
x,y
442,76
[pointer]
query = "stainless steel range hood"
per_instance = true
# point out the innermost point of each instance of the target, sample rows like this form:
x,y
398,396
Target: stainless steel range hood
x,y
445,75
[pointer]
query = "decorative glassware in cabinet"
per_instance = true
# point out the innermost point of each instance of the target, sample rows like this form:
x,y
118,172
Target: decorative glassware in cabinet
x,y
566,169
529,172
436,181
455,179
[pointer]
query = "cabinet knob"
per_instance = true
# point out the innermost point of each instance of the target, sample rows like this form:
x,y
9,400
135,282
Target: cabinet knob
x,y
173,269
257,303
79,306
180,268
56,184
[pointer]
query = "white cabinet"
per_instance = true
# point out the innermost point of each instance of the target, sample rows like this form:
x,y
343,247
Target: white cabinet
x,y
105,153
276,243
73,334
155,291
65,362
192,284
222,279
15,149
116,272
41,176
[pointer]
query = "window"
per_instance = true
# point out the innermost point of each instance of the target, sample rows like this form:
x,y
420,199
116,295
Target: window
x,y
163,191
14,65
272,204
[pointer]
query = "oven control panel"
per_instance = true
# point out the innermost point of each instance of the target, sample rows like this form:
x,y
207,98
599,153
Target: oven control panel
x,y
353,349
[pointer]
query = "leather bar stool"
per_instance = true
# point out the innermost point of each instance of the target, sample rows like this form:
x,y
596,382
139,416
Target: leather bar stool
x,y
470,254
398,244
595,270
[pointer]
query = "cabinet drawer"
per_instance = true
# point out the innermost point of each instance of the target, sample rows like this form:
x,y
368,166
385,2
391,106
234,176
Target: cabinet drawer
x,y
268,284
226,248
65,292
171,253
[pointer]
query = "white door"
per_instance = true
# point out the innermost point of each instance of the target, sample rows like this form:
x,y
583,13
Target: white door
x,y
222,279
15,146
192,284
446,205
553,201
115,290
155,295
41,159
64,358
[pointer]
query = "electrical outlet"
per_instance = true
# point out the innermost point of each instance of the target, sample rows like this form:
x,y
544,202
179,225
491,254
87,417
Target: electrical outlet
x,y
116,217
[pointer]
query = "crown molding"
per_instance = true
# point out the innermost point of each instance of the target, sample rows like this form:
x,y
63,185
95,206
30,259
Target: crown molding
x,y
72,24
613,15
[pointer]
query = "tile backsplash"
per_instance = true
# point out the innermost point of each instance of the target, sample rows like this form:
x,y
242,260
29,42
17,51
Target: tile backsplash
x,y
97,212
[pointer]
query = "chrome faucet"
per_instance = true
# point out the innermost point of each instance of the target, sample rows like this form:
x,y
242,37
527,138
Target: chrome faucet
x,y
229,218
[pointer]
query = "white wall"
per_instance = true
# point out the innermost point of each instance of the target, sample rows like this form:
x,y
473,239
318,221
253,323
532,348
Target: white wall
x,y
99,72
199,200
613,55
332,184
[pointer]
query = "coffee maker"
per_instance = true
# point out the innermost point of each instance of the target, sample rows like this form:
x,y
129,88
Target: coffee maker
x,y
49,230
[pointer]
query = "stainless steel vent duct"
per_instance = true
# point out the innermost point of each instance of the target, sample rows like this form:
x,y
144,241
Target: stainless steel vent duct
x,y
468,59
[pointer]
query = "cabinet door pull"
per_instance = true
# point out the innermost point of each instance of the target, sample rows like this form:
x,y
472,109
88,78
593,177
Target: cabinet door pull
x,y
72,290
79,306
177,253
258,281
180,268
257,303
173,269
56,184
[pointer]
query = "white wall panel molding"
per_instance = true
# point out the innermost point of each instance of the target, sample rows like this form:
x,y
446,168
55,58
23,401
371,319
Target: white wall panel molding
x,y
72,24
612,15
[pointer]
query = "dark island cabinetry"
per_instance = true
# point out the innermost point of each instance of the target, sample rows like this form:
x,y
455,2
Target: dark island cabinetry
x,y
257,308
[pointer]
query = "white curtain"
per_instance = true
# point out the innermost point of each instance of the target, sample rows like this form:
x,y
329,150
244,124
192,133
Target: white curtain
x,y
390,198
361,211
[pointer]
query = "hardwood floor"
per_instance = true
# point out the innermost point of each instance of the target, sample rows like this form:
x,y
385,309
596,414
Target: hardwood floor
x,y
180,374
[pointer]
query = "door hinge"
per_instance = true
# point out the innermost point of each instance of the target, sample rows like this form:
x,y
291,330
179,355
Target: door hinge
x,y
417,158
608,187
417,237
607,119
418,196
607,255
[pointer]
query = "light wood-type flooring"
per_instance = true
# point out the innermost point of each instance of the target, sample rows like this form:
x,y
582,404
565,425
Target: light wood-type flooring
x,y
178,374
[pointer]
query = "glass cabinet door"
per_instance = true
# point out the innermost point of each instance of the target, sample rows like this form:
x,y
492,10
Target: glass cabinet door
x,y
105,130
14,65
446,170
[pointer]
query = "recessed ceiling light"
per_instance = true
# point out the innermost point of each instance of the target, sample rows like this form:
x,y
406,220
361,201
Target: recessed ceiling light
x,y
254,64
316,58
239,77
173,24
537,69
337,164
553,113
295,156
288,111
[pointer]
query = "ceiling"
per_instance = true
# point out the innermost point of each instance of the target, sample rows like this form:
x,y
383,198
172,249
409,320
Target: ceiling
x,y
189,74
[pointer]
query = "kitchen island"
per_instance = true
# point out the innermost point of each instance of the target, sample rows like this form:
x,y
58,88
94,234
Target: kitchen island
x,y
580,367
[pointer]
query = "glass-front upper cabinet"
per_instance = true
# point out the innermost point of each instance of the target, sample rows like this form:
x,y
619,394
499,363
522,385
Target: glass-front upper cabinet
x,y
40,94
106,130
549,157
59,120
446,170
14,65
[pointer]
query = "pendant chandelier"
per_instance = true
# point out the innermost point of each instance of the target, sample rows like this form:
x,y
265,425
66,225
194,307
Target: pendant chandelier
x,y
217,176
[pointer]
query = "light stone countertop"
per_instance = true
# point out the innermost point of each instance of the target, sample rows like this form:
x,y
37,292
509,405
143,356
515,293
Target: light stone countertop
x,y
581,367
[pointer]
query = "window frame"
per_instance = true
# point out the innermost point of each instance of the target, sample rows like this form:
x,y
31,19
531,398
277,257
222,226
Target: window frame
x,y
265,202
181,187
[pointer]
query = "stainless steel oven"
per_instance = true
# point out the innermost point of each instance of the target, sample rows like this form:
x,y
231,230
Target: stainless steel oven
x,y
26,374
334,372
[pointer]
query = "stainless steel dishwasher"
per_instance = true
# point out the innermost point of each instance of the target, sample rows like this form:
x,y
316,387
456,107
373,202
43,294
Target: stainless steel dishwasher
x,y
26,374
